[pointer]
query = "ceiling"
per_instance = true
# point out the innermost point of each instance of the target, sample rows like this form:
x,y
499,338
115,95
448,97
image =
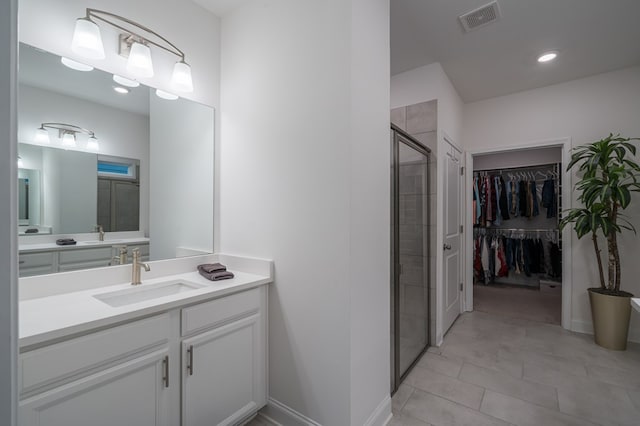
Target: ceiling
x,y
592,36
44,70
220,7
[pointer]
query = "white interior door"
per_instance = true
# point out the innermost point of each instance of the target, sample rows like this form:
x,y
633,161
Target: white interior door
x,y
452,238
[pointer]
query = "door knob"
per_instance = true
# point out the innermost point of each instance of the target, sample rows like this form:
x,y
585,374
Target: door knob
x,y
447,247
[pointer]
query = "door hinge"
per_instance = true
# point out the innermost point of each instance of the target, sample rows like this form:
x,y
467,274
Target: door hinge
x,y
461,171
461,229
460,286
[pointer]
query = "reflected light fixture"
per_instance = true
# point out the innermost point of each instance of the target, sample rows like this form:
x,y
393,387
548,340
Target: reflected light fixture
x,y
166,95
20,162
121,90
92,143
75,65
68,132
42,135
547,57
125,81
136,41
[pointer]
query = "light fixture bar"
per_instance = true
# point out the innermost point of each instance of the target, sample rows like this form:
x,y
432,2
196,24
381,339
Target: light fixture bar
x,y
67,128
169,47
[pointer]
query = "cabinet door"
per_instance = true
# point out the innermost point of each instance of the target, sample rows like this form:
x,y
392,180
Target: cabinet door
x,y
223,374
131,393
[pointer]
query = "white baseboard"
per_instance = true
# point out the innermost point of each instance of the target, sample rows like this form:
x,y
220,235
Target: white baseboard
x,y
587,328
382,414
280,414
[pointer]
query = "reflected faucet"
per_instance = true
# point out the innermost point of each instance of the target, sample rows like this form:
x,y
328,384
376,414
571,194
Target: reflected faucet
x,y
100,231
121,258
137,265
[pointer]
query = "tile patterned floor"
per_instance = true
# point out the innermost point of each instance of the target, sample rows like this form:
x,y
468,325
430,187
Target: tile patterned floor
x,y
493,370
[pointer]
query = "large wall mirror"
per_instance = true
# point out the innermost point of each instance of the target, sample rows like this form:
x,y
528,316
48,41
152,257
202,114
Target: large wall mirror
x,y
93,151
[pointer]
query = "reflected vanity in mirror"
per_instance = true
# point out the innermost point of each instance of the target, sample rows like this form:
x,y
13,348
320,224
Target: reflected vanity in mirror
x,y
96,152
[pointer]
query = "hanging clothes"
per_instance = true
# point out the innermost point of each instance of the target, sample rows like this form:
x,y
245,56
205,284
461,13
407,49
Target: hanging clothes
x,y
503,202
549,199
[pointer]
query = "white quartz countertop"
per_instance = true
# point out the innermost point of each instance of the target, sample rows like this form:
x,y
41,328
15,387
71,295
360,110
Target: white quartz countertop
x,y
635,303
43,246
62,315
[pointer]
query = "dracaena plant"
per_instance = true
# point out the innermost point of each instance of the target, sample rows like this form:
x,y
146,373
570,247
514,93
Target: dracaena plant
x,y
608,177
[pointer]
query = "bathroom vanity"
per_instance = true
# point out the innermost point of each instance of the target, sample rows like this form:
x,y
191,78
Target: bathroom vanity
x,y
176,350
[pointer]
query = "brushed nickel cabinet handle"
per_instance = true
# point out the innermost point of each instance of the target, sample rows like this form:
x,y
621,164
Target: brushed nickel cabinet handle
x,y
190,364
165,377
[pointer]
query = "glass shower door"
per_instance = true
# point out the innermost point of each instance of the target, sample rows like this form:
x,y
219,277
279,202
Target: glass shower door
x,y
410,254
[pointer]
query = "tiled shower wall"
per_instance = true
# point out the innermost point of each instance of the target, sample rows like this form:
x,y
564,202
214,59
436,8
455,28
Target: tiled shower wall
x,y
420,122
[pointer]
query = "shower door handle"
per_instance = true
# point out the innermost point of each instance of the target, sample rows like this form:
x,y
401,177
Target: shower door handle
x,y
446,247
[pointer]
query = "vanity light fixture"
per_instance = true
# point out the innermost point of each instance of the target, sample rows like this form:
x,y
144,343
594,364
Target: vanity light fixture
x,y
68,139
547,56
20,162
166,95
42,135
68,132
121,90
87,42
75,65
125,81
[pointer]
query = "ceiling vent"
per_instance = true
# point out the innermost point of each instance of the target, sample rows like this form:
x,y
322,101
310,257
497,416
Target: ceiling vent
x,y
480,17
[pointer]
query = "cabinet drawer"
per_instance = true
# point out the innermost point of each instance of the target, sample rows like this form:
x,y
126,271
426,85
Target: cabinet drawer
x,y
85,255
34,260
218,311
84,355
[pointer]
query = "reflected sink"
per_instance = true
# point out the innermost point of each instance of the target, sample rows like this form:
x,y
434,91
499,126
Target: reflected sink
x,y
144,293
93,242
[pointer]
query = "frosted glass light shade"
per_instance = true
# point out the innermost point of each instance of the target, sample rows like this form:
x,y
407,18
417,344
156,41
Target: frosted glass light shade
x,y
20,162
69,139
87,41
42,136
92,143
166,95
75,65
181,77
125,81
139,62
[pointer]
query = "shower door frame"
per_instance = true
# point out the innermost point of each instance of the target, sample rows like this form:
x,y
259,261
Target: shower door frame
x,y
396,135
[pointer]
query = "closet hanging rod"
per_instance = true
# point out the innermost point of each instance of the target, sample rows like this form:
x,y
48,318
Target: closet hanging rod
x,y
520,229
522,169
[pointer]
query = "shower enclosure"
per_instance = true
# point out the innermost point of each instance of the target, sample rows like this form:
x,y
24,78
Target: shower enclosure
x,y
409,253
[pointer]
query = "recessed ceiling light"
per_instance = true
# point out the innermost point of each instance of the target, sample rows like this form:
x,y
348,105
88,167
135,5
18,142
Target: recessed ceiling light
x,y
547,56
125,81
121,90
75,65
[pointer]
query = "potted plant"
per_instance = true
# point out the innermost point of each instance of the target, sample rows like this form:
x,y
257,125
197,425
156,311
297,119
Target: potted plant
x,y
608,176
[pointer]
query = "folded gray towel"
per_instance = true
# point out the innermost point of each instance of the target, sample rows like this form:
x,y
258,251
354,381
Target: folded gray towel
x,y
216,276
211,267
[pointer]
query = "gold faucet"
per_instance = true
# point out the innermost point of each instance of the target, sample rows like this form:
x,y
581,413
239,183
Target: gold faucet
x,y
100,231
137,265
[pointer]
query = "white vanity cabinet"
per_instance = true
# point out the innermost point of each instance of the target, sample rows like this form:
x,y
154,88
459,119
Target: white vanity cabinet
x,y
203,364
224,367
112,377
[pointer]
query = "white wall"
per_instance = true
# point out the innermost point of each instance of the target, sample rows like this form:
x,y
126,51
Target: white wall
x,y
297,187
8,214
420,85
120,133
585,110
370,211
181,175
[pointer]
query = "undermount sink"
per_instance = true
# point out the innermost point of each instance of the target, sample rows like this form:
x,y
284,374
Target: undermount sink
x,y
144,293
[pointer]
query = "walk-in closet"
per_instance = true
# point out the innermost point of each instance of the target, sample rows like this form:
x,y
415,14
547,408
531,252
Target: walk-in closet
x,y
517,247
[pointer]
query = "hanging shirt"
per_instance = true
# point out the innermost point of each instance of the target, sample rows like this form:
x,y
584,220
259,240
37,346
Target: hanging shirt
x,y
496,186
